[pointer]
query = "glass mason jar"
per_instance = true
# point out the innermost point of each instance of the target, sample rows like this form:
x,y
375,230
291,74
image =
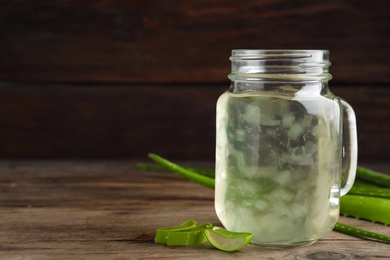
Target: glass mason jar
x,y
286,147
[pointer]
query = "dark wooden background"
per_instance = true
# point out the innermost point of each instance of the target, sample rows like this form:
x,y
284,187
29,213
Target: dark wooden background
x,y
118,79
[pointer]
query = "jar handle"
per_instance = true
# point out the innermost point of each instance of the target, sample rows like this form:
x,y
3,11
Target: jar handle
x,y
350,149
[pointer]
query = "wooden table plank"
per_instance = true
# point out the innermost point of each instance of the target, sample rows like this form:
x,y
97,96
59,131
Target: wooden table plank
x,y
110,210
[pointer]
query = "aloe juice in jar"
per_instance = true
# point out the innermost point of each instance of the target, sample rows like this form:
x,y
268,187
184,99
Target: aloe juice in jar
x,y
283,142
277,173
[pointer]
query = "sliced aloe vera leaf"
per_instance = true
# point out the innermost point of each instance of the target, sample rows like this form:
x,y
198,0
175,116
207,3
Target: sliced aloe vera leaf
x,y
226,240
188,237
162,233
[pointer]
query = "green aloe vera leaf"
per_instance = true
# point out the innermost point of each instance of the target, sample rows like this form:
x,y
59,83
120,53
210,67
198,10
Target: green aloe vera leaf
x,y
151,167
188,237
374,177
361,183
190,175
161,168
370,191
365,207
360,232
162,233
226,240
188,234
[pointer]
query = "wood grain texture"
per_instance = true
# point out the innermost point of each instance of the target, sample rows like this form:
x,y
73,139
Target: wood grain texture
x,y
110,210
185,41
115,121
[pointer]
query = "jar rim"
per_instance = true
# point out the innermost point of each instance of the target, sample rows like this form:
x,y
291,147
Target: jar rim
x,y
279,64
269,54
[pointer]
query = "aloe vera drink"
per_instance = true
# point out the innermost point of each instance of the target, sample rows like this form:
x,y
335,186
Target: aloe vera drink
x,y
278,166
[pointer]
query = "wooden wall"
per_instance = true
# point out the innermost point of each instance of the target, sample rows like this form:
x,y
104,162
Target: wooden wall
x,y
118,79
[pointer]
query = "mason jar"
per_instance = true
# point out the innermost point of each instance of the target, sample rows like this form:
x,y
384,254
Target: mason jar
x,y
286,147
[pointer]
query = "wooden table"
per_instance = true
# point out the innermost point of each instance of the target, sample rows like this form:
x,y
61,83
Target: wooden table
x,y
110,210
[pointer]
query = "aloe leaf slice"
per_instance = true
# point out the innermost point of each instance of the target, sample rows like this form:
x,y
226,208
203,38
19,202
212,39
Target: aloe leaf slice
x,y
162,233
226,240
188,237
